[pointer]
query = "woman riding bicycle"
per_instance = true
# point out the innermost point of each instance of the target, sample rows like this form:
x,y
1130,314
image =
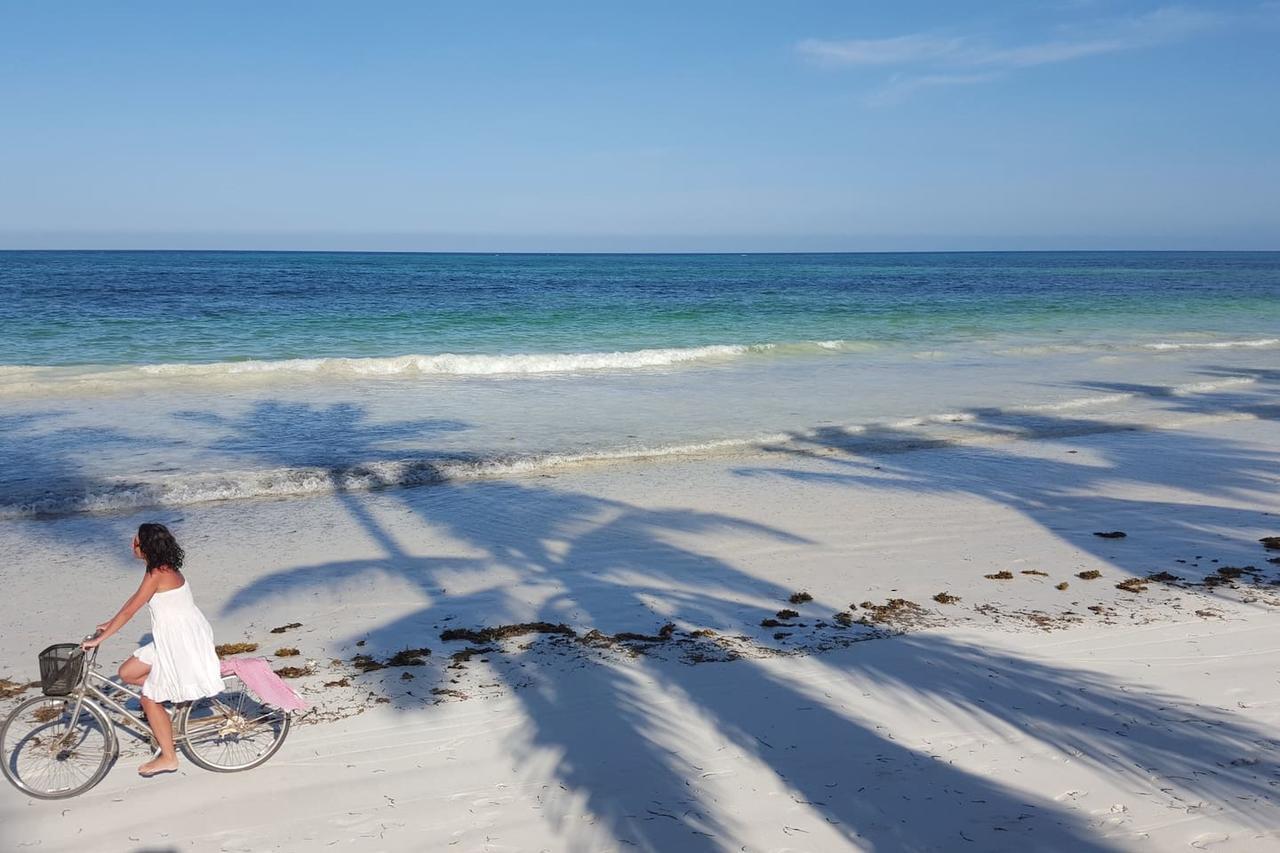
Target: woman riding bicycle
x,y
180,664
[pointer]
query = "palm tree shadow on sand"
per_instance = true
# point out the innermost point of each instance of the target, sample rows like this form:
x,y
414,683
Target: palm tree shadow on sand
x,y
615,731
42,466
1078,491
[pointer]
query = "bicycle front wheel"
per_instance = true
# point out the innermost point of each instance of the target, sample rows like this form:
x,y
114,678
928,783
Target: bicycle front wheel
x,y
49,755
231,731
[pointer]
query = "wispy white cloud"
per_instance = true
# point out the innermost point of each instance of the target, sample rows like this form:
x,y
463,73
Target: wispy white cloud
x,y
1163,26
949,60
890,51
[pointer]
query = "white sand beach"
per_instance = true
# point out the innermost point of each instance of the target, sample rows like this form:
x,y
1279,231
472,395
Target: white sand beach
x,y
1020,716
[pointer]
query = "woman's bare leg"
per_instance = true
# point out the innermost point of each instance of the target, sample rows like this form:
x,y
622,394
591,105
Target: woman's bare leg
x,y
134,671
162,731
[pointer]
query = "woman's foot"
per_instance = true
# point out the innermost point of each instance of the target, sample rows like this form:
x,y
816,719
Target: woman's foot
x,y
158,765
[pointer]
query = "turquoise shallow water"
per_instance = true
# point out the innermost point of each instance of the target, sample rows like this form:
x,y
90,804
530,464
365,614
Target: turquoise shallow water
x,y
133,379
61,308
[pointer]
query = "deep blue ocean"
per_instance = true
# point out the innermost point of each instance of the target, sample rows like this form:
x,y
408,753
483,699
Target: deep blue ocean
x,y
134,379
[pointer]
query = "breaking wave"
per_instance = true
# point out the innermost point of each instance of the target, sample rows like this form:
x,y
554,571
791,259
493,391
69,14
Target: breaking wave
x,y
23,379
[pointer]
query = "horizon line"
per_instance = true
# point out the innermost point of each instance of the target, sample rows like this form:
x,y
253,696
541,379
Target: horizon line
x,y
709,252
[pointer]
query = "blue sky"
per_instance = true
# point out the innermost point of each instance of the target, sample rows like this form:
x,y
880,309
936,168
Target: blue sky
x,y
618,126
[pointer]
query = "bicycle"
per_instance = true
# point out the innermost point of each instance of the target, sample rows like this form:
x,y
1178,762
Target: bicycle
x,y
64,742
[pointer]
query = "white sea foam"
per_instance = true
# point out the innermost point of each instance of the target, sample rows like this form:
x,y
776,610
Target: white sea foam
x,y
1254,343
453,364
1189,389
1077,403
303,481
19,379
30,380
1192,388
940,418
1048,349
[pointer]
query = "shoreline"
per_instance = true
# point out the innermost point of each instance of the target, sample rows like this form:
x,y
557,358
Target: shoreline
x,y
1203,403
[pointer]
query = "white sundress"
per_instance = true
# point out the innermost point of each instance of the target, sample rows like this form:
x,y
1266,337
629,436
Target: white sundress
x,y
184,665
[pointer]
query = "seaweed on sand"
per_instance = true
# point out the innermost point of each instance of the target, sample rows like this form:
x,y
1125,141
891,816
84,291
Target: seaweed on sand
x,y
502,632
664,634
409,657
47,713
897,612
9,689
596,637
235,649
464,656
1234,572
366,663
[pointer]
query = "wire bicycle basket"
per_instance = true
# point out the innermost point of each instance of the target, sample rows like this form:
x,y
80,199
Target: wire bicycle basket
x,y
61,667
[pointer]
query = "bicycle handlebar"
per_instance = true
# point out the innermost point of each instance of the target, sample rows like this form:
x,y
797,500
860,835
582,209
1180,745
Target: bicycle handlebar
x,y
94,651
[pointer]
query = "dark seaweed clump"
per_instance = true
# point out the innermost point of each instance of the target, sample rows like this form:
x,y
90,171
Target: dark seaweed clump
x,y
409,657
502,632
235,649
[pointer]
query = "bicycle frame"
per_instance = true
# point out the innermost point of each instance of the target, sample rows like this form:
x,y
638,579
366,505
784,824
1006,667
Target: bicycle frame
x,y
122,718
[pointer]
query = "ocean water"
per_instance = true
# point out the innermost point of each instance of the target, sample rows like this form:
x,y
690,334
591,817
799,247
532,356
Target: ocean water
x,y
132,379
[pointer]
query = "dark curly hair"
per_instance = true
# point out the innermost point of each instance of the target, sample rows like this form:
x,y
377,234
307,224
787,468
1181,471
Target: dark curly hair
x,y
159,547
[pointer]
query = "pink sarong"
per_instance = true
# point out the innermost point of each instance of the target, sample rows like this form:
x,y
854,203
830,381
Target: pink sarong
x,y
257,675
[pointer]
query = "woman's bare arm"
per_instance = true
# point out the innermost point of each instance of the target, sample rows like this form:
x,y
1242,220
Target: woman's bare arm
x,y
150,582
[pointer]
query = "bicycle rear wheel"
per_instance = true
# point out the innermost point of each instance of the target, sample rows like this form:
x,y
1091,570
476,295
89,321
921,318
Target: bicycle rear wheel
x,y
232,731
47,754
